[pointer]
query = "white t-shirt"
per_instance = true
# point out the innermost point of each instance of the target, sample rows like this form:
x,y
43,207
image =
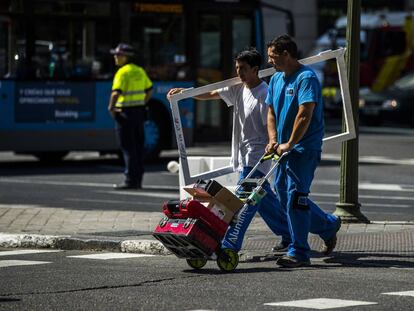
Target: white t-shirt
x,y
249,137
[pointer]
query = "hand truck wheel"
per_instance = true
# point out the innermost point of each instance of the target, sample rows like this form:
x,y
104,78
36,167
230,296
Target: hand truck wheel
x,y
197,263
228,260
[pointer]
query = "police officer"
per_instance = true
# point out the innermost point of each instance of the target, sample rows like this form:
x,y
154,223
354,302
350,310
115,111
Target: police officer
x,y
131,90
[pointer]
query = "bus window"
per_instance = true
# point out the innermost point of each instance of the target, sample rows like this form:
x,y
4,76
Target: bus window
x,y
3,48
242,33
208,114
210,50
56,46
159,39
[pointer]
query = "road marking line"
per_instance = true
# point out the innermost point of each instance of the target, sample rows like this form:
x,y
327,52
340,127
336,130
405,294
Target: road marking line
x,y
25,252
368,204
55,183
372,159
106,256
146,194
362,186
14,263
321,303
83,184
393,222
363,196
407,293
112,201
369,186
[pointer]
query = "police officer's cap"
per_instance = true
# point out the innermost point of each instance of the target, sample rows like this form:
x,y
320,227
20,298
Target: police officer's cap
x,y
123,49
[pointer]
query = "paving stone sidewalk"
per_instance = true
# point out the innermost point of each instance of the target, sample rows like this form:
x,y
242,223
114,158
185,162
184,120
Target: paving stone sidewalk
x,y
131,232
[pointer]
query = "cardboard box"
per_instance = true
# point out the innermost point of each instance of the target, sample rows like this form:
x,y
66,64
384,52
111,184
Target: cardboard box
x,y
224,204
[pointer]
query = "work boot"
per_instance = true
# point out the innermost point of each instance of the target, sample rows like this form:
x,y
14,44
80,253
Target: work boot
x,y
280,247
331,243
126,186
292,262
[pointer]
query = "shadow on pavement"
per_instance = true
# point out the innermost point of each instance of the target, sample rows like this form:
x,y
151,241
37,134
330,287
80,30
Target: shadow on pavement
x,y
373,260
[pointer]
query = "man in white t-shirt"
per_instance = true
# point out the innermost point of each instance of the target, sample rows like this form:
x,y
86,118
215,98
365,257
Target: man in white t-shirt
x,y
248,144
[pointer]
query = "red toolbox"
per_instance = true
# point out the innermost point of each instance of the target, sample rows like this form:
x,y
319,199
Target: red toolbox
x,y
189,208
190,230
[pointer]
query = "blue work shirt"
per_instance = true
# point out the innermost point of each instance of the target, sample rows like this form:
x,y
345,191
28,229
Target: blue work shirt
x,y
286,94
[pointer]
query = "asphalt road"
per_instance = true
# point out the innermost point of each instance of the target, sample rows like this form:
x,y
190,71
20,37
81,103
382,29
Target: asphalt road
x,y
84,181
57,281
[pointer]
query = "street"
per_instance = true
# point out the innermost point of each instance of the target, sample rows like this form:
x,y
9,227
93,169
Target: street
x,y
119,118
70,280
84,182
368,265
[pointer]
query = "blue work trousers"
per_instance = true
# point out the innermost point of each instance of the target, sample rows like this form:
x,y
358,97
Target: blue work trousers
x,y
130,133
293,179
273,210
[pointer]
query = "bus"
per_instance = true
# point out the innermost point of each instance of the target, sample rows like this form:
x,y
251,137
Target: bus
x,y
56,70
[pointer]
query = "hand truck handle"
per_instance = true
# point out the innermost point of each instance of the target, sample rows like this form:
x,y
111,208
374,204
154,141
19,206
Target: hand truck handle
x,y
270,156
277,159
274,156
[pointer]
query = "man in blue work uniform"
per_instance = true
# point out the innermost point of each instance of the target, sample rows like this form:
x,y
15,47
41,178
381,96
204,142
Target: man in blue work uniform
x,y
296,125
131,90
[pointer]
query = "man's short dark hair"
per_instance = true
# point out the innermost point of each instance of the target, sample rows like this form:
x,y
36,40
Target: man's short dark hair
x,y
284,43
250,56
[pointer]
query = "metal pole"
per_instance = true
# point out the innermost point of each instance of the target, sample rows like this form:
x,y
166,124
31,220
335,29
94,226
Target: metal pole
x,y
348,207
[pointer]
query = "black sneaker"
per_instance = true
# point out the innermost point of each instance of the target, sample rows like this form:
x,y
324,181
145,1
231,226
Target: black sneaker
x,y
126,186
292,262
282,246
331,243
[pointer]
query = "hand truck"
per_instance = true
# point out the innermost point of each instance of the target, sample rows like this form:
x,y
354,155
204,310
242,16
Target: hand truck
x,y
192,231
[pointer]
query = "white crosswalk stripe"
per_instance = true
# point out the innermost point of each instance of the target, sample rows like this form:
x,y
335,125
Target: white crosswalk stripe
x,y
407,293
13,263
27,251
321,303
106,256
98,256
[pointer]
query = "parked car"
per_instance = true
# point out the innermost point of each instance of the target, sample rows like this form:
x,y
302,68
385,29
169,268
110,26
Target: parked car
x,y
394,104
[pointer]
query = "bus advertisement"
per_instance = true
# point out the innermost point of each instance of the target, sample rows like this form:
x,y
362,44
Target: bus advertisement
x,y
56,70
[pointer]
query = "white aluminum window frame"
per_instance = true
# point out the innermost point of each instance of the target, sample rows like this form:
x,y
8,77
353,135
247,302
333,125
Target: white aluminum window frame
x,y
348,134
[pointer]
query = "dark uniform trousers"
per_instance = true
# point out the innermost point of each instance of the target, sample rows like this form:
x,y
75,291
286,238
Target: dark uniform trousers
x,y
130,132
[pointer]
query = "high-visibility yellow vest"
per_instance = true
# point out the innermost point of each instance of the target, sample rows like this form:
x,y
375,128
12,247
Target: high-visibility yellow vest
x,y
132,82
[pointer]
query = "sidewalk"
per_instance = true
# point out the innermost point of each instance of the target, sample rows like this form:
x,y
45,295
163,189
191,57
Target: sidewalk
x,y
131,232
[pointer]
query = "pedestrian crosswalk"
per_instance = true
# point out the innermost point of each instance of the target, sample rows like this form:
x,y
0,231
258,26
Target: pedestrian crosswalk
x,y
106,256
27,251
97,256
330,303
407,293
28,258
321,303
14,263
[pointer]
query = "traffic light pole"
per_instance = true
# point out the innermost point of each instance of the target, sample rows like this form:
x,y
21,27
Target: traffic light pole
x,y
348,207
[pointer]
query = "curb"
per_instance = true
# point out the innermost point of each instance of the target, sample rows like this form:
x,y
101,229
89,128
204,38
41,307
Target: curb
x,y
150,247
